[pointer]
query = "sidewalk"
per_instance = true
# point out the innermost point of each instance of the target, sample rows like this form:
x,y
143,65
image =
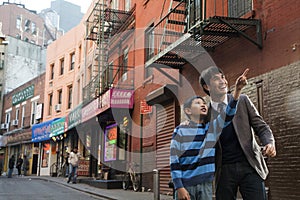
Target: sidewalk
x,y
111,194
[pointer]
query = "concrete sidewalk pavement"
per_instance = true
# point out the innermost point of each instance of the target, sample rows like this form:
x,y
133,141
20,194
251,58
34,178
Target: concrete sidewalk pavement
x,y
111,194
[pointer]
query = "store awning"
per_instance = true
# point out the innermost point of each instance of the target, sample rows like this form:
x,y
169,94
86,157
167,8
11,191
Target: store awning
x,y
58,127
74,117
41,131
3,141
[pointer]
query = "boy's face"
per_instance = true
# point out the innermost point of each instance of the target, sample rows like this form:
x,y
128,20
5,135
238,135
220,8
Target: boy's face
x,y
198,107
218,85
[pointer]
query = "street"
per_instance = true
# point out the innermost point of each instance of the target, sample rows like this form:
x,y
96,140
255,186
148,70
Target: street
x,y
27,189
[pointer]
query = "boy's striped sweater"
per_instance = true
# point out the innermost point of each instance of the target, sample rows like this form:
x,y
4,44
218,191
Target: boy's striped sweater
x,y
192,156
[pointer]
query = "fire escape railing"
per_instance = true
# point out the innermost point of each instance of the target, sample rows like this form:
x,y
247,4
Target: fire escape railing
x,y
102,26
191,24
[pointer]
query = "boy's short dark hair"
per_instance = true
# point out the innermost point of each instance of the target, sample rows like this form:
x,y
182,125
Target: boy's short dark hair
x,y
189,101
206,76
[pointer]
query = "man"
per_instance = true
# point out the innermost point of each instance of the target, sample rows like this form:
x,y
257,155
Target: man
x,y
11,165
239,161
25,165
73,162
19,165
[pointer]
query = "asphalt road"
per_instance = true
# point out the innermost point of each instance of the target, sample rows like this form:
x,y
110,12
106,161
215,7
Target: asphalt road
x,y
23,188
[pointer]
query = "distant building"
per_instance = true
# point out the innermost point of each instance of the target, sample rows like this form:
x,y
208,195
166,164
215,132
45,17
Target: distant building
x,y
69,14
21,23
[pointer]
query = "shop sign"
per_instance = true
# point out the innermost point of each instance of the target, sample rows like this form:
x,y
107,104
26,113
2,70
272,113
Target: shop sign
x,y
145,108
121,98
74,117
91,110
83,168
3,141
41,131
23,95
110,151
58,127
18,137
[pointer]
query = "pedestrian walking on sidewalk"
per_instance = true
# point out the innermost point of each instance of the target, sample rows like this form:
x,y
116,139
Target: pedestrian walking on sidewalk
x,y
25,165
11,165
19,165
73,163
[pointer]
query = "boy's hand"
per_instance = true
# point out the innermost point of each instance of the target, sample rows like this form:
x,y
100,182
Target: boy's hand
x,y
183,194
241,81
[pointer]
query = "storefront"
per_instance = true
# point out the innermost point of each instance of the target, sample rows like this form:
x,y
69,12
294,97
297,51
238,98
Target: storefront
x,y
116,125
46,148
59,137
19,144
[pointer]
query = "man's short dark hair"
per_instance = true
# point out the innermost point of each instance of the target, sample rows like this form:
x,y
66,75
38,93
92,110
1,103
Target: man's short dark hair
x,y
207,74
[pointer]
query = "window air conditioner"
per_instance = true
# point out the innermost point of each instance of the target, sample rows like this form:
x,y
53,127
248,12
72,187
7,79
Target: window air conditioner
x,y
57,107
4,126
15,122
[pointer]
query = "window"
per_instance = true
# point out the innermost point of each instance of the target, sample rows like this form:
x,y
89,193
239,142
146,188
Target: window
x,y
17,113
124,64
18,23
7,117
72,61
59,96
79,49
45,154
115,4
50,98
23,116
108,76
51,72
239,8
78,90
127,5
27,25
149,40
1,60
70,97
33,112
33,28
89,73
62,66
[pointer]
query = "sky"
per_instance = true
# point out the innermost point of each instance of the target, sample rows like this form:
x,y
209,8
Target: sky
x,y
39,5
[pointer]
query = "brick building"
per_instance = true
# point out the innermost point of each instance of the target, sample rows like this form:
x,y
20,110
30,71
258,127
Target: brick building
x,y
158,50
23,24
22,108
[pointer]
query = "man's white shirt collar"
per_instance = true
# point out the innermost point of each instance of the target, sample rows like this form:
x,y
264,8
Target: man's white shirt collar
x,y
215,104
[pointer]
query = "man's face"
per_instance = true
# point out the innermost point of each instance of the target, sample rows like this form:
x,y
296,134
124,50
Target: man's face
x,y
218,85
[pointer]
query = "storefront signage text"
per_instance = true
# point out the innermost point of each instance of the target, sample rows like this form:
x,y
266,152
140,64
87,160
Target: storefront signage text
x,y
23,95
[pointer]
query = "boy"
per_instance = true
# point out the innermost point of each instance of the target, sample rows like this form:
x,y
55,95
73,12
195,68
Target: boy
x,y
192,146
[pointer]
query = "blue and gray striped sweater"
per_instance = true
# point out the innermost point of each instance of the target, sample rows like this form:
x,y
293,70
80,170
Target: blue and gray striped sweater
x,y
192,156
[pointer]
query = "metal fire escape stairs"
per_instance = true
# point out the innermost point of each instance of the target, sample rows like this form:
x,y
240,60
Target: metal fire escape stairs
x,y
96,27
178,45
101,27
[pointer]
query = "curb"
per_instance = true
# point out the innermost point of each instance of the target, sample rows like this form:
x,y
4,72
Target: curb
x,y
73,187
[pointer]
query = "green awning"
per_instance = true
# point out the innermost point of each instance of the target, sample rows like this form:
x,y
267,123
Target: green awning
x,y
58,127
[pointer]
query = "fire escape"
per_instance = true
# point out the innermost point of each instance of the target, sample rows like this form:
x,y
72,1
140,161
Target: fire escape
x,y
104,27
192,27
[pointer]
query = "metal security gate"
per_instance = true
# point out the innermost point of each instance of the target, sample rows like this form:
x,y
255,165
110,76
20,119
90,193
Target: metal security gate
x,y
165,117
